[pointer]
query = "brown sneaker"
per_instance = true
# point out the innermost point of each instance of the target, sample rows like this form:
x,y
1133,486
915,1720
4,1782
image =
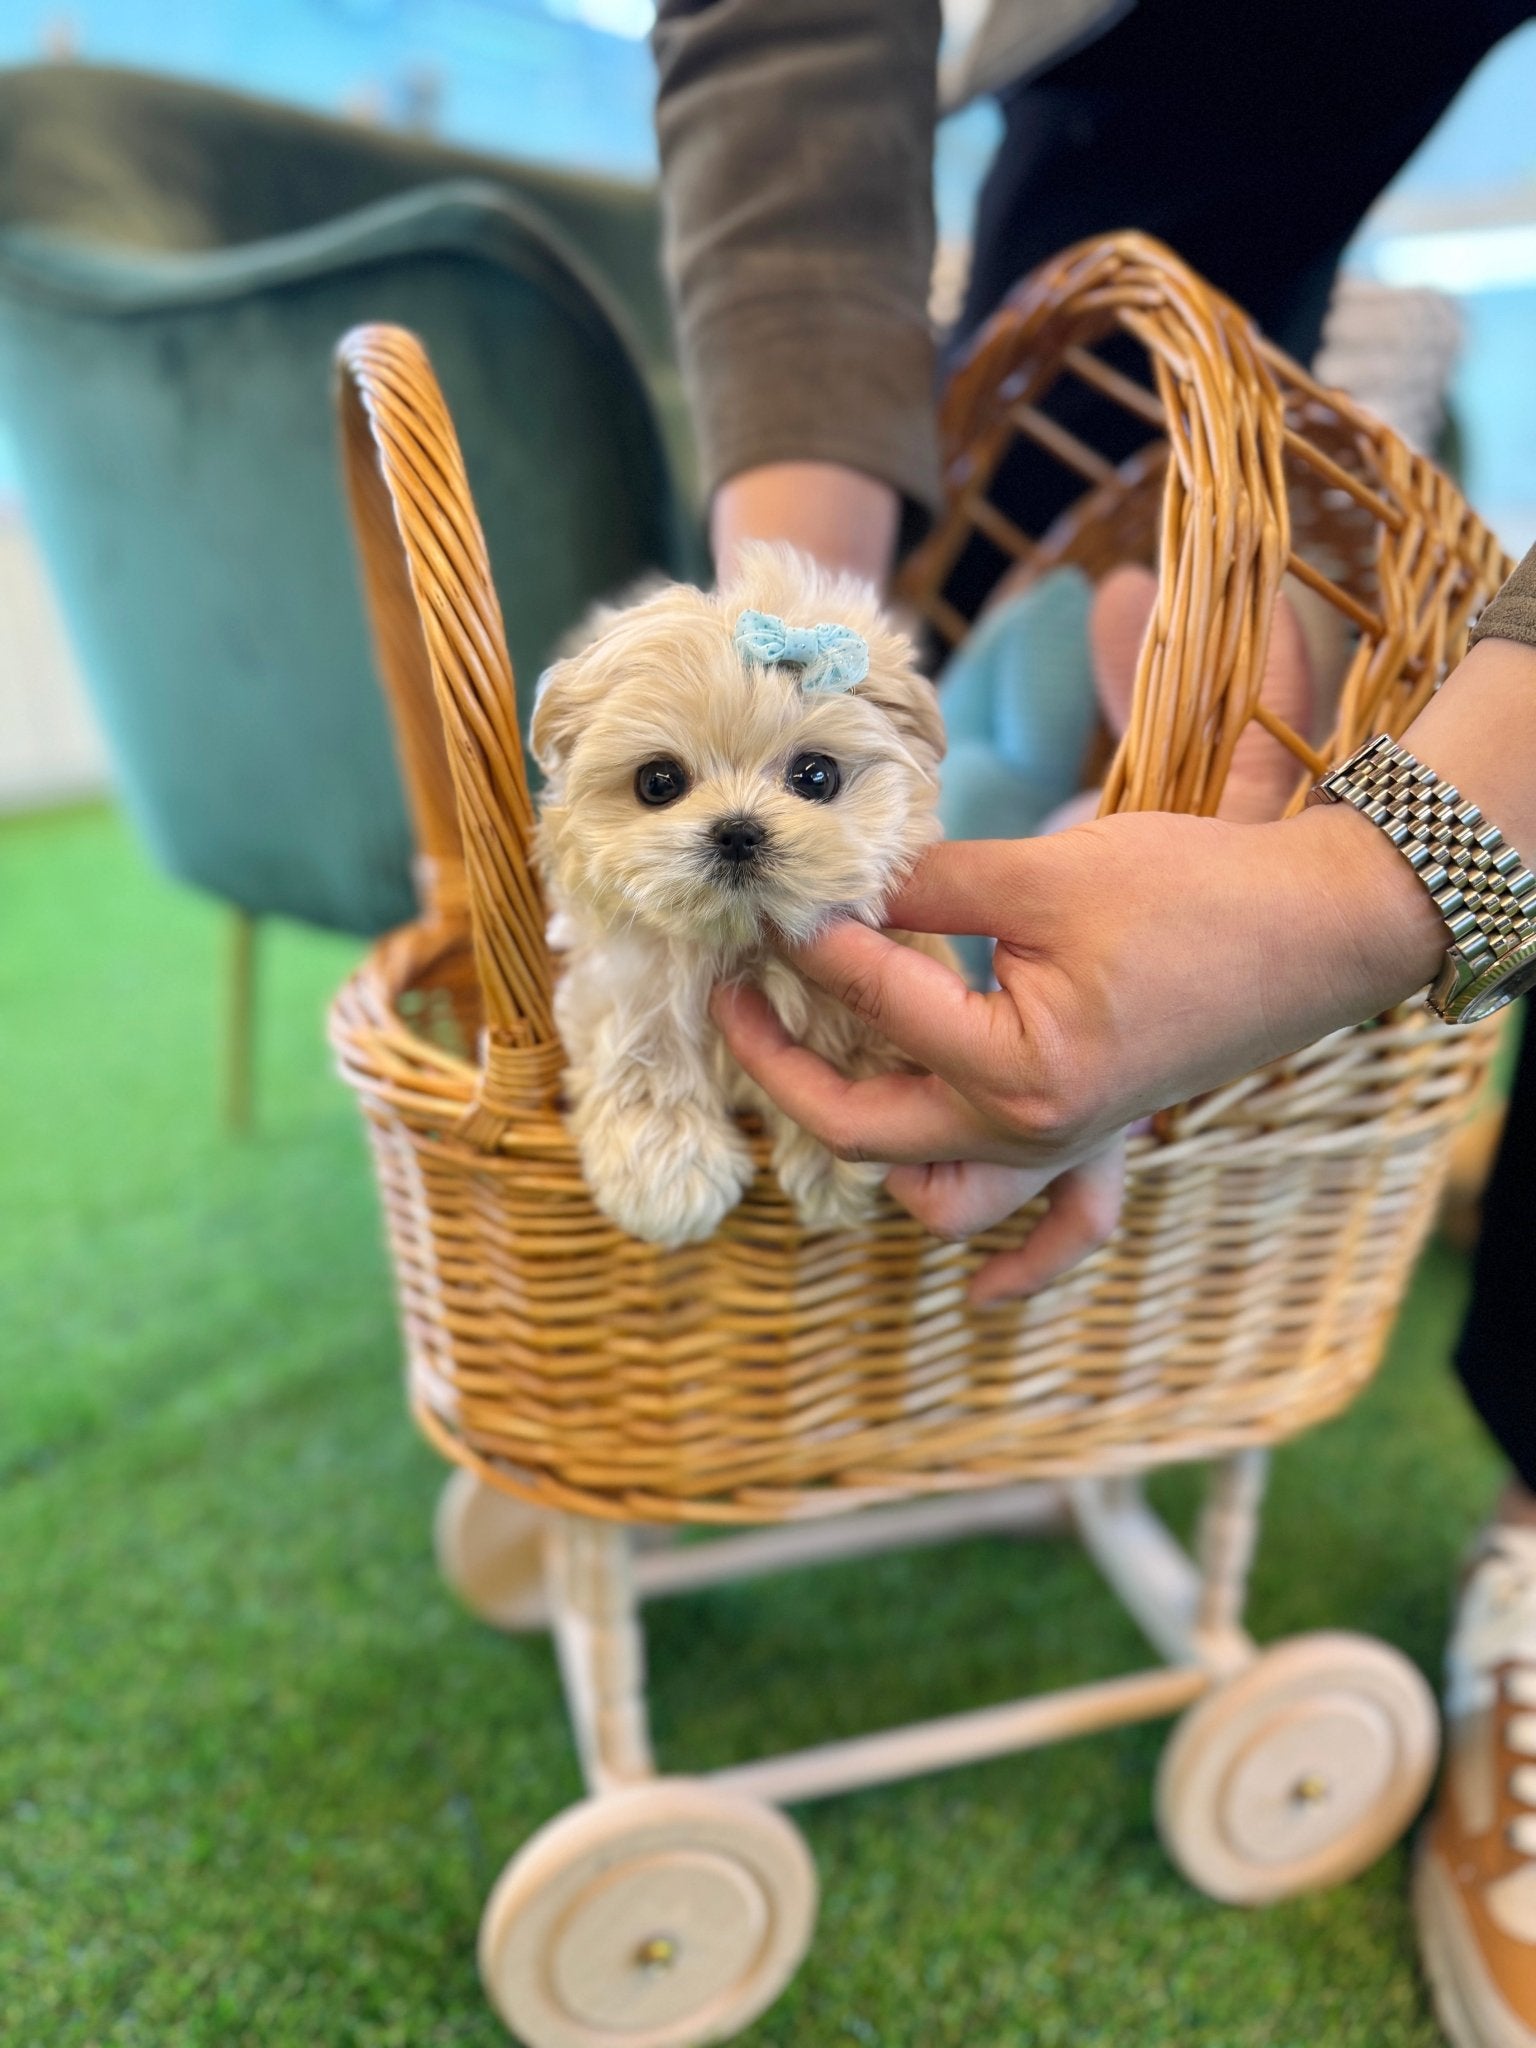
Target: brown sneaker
x,y
1474,1891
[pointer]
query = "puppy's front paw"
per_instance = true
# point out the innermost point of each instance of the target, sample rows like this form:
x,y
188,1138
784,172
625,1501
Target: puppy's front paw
x,y
828,1193
669,1185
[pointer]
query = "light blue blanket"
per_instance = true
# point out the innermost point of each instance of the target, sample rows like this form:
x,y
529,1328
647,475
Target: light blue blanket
x,y
1020,709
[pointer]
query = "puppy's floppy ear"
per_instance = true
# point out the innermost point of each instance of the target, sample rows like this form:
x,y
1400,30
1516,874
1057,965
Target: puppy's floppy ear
x,y
559,711
570,686
907,698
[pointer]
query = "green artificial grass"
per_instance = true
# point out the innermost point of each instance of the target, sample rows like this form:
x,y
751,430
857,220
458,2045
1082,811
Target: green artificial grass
x,y
257,1773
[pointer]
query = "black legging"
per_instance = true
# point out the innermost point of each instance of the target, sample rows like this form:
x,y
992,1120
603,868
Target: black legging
x,y
1498,1338
1251,138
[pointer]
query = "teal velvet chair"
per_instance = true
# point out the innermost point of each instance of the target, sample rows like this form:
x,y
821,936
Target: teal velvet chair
x,y
176,265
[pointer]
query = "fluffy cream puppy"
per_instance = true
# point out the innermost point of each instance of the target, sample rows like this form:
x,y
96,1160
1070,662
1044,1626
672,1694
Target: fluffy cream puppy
x,y
724,770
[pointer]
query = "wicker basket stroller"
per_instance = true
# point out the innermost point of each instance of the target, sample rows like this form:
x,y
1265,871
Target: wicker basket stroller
x,y
588,1384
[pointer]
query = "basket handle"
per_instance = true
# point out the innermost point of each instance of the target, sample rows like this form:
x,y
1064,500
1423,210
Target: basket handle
x,y
441,649
1225,535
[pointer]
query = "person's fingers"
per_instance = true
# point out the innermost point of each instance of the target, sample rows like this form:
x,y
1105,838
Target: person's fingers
x,y
889,1117
1083,1207
921,1005
960,1198
1117,625
1264,773
962,886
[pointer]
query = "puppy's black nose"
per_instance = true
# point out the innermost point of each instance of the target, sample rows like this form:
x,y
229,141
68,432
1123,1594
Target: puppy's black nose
x,y
738,839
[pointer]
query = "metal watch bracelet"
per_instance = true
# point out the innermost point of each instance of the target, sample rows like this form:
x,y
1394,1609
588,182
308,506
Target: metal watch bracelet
x,y
1480,886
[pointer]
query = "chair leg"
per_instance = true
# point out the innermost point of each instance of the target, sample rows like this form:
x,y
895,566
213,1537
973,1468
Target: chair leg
x,y
239,1020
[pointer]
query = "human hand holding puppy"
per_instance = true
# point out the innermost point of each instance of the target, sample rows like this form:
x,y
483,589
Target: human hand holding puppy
x,y
1141,959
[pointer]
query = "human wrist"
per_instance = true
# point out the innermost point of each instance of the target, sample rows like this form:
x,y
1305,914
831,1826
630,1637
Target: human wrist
x,y
1371,927
1352,922
841,517
1475,732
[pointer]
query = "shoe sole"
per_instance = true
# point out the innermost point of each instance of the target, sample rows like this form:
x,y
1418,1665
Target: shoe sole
x,y
1471,2013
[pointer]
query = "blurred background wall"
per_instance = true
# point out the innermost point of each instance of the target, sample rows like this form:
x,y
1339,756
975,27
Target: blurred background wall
x,y
569,82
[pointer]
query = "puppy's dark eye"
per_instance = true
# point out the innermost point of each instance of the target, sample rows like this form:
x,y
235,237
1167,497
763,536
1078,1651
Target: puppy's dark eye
x,y
661,782
816,777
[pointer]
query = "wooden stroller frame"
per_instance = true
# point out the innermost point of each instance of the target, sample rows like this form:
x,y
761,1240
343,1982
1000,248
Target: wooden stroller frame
x,y
596,1582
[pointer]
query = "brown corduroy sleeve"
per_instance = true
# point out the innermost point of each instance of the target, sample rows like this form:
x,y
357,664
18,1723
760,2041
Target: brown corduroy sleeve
x,y
1511,615
796,147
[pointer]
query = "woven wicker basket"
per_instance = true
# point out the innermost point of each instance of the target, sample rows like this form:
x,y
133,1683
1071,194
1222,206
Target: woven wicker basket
x,y
769,1373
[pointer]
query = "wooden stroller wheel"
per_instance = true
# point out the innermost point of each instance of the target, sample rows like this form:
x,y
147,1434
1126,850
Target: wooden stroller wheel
x,y
1299,1772
490,1552
664,1915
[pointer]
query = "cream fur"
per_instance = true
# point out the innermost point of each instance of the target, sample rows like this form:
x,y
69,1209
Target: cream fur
x,y
648,921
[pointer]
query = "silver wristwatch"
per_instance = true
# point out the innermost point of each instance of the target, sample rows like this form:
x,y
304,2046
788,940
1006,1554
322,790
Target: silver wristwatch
x,y
1481,887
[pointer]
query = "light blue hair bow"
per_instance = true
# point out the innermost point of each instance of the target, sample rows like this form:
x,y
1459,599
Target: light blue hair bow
x,y
832,657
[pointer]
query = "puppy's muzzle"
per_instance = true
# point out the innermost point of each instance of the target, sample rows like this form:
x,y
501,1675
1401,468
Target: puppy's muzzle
x,y
738,844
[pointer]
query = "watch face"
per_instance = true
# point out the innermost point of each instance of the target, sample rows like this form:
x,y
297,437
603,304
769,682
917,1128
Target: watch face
x,y
1522,979
1501,984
